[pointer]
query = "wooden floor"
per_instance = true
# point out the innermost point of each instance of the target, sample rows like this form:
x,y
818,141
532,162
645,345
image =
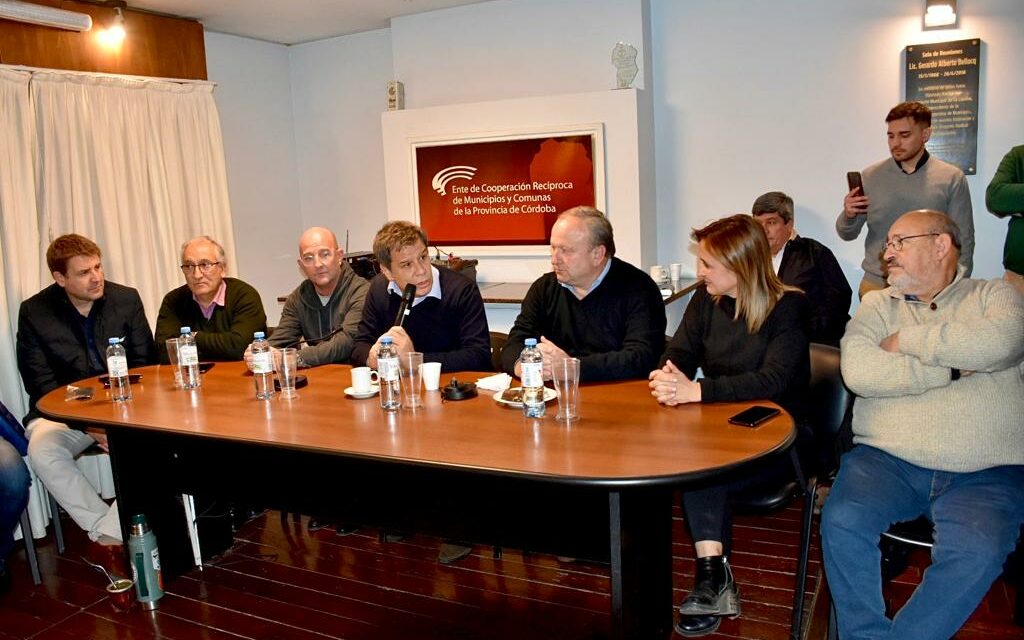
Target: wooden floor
x,y
280,582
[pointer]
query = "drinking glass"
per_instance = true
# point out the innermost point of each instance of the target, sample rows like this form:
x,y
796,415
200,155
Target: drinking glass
x,y
172,354
287,371
566,374
412,382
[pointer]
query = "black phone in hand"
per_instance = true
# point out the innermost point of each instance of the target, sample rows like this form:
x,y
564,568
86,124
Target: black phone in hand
x,y
753,416
854,181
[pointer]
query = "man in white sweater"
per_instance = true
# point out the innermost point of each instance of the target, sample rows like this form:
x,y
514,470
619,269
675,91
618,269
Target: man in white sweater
x,y
910,179
936,362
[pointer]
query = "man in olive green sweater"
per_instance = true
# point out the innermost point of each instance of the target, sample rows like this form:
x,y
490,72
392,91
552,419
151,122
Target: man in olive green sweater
x,y
936,361
1005,197
222,312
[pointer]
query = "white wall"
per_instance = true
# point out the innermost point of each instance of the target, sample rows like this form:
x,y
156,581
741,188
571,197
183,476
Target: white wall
x,y
255,106
752,96
339,91
513,48
748,96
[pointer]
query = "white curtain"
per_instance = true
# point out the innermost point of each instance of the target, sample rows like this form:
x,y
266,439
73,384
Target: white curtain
x,y
20,241
137,165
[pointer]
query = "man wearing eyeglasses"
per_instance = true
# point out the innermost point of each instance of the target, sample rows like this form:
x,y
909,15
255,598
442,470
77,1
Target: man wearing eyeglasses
x,y
935,360
222,312
910,179
62,336
323,312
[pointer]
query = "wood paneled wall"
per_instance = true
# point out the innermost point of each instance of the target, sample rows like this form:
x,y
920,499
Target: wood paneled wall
x,y
155,45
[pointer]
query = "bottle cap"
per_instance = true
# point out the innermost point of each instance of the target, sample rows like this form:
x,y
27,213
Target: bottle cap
x,y
386,340
530,342
113,340
259,335
139,518
186,329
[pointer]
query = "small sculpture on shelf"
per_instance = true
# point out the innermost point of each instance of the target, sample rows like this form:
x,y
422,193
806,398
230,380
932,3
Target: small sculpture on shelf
x,y
624,59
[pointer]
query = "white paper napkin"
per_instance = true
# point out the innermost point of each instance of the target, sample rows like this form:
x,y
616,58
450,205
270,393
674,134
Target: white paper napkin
x,y
497,382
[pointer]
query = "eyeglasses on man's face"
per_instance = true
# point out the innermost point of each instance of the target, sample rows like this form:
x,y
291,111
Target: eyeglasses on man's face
x,y
896,244
190,267
309,259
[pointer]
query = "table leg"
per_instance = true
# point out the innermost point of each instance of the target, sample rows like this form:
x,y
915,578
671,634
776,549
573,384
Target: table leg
x,y
641,563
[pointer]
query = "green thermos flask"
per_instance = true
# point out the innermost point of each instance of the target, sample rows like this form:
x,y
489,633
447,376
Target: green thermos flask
x,y
149,582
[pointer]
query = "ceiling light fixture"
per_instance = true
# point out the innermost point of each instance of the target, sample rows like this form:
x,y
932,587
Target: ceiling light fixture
x,y
939,14
45,16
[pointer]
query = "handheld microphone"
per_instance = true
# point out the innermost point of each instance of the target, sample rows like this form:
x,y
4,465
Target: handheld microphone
x,y
408,295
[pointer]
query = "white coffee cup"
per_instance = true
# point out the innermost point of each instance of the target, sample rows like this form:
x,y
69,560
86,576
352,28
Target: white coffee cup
x,y
363,379
658,273
676,270
431,375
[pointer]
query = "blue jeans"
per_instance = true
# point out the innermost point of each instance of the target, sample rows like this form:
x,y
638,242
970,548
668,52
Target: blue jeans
x,y
977,520
14,481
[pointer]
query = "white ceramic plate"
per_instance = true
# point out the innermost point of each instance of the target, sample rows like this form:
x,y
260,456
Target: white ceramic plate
x,y
374,390
549,395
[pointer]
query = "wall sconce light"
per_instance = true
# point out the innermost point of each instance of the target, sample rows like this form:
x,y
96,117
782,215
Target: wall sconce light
x,y
114,34
939,14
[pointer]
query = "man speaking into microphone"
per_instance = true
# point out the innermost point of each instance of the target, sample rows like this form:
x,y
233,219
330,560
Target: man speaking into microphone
x,y
441,313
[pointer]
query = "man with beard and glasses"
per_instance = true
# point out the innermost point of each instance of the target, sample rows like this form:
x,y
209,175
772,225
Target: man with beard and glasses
x,y
935,360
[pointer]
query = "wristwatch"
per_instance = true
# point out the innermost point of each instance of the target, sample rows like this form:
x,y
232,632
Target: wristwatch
x,y
954,375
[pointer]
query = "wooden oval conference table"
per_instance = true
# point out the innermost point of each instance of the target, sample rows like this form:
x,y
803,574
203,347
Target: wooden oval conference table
x,y
475,470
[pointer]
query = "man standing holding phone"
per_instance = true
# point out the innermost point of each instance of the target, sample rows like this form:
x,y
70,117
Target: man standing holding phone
x,y
911,179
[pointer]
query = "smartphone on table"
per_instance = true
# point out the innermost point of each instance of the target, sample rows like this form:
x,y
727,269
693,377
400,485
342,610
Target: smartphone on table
x,y
753,416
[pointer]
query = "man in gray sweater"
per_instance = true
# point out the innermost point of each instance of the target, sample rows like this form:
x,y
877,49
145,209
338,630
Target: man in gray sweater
x,y
910,179
323,312
936,362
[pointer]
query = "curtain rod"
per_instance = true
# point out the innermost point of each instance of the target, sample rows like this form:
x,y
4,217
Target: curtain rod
x,y
98,74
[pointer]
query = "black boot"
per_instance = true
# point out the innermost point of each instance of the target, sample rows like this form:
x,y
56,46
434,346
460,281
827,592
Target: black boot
x,y
714,591
696,626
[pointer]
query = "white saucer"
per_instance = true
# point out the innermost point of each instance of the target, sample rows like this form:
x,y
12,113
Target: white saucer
x,y
374,390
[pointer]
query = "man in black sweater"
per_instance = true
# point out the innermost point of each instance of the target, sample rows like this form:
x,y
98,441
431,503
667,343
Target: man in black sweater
x,y
807,264
592,306
446,320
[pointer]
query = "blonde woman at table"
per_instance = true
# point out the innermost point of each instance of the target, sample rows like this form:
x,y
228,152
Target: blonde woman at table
x,y
747,332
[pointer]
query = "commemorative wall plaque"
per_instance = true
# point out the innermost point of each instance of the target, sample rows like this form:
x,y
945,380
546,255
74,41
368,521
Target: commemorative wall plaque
x,y
944,76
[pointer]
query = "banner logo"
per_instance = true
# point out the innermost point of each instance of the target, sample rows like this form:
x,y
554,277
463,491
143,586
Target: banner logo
x,y
444,176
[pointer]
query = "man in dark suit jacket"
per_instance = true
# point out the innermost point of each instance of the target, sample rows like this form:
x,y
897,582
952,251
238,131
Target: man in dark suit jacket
x,y
63,333
808,264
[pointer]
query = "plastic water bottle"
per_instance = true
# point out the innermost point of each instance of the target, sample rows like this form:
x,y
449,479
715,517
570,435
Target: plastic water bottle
x,y
388,372
149,580
262,366
117,370
531,368
188,360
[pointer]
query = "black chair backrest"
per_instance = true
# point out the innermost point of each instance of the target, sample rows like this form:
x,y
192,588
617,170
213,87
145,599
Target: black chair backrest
x,y
830,403
498,341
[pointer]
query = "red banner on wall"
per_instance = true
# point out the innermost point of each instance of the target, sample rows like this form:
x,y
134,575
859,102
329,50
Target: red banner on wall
x,y
506,192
